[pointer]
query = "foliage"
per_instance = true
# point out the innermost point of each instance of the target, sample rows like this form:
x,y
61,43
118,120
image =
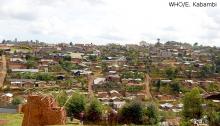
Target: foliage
x,y
108,86
94,110
45,76
31,64
152,113
67,65
214,118
213,87
62,98
12,119
133,75
93,58
192,104
132,112
67,58
171,73
175,87
1,52
206,70
158,85
16,101
83,81
134,88
185,123
55,68
75,104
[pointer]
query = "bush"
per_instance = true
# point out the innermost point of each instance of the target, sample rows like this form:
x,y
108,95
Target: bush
x,y
16,101
192,104
75,104
94,111
132,112
152,114
61,98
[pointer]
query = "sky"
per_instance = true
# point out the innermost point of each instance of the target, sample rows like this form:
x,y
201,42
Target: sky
x,y
108,21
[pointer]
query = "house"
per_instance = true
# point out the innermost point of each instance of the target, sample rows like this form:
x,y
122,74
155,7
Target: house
x,y
6,98
17,83
76,57
102,95
166,106
81,72
114,93
113,78
99,81
25,70
17,63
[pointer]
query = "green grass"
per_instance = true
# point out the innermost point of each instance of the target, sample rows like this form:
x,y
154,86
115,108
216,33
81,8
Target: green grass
x,y
13,119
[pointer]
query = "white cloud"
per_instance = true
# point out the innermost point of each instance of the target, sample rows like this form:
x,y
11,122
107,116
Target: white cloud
x,y
105,21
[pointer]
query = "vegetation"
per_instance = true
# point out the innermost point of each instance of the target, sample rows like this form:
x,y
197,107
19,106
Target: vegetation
x,y
75,104
37,76
152,114
11,119
94,110
17,101
132,112
192,104
171,73
61,98
68,66
133,75
134,88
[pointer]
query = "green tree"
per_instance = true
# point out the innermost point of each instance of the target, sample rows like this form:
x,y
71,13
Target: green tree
x,y
152,114
171,73
1,52
75,104
214,118
132,112
16,101
158,85
175,87
31,64
62,98
94,110
192,104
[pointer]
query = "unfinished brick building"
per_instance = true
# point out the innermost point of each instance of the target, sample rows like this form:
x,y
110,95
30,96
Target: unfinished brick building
x,y
41,111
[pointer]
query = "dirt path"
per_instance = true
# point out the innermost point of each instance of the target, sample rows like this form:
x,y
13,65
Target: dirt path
x,y
147,81
3,71
90,83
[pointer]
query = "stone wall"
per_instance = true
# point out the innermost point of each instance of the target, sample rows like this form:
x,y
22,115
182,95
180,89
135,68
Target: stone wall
x,y
41,111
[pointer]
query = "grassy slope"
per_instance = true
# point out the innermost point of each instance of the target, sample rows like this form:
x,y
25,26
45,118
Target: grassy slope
x,y
13,119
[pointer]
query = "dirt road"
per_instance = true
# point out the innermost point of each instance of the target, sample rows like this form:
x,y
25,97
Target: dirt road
x,y
3,70
147,81
90,83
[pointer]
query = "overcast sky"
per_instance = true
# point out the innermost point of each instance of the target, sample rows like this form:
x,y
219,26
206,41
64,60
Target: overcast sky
x,y
106,21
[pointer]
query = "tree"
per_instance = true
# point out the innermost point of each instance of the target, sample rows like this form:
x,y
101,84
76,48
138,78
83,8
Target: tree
x,y
171,73
94,110
71,43
83,81
195,44
16,101
75,104
132,112
152,113
1,52
62,98
214,118
192,104
158,85
31,64
175,87
67,58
